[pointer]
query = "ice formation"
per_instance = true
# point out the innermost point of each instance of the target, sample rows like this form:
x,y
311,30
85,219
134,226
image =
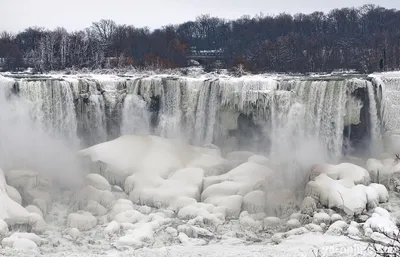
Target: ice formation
x,y
197,161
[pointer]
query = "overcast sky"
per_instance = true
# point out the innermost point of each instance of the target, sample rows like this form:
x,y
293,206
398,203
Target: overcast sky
x,y
16,15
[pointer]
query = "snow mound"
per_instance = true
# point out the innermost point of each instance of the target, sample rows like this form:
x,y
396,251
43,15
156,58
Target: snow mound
x,y
10,211
3,228
142,233
14,194
344,186
27,242
346,172
151,155
380,222
185,182
230,189
83,221
97,181
31,186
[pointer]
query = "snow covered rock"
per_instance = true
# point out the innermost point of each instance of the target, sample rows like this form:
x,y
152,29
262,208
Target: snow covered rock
x,y
23,241
21,244
293,223
338,228
259,159
3,228
171,231
112,228
132,216
34,209
89,193
272,223
313,228
10,211
347,172
120,205
248,223
336,217
308,206
254,202
83,221
160,192
321,217
14,194
30,185
97,181
74,233
353,231
232,205
343,193
95,208
145,210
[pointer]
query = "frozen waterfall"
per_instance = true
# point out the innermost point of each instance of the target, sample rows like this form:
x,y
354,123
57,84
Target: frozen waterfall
x,y
262,114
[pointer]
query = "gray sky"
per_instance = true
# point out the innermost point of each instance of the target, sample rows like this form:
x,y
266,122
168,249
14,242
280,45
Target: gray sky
x,y
16,15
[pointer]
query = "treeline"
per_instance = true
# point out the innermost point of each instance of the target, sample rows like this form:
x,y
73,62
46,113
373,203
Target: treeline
x,y
366,39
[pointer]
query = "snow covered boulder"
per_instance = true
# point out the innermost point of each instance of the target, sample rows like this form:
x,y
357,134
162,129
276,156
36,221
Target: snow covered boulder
x,y
89,193
185,182
132,216
112,228
272,223
3,228
26,242
14,194
308,206
232,205
343,193
337,228
241,180
30,185
34,209
95,208
74,233
129,154
254,202
97,181
259,159
346,172
10,211
292,224
381,222
321,217
83,221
